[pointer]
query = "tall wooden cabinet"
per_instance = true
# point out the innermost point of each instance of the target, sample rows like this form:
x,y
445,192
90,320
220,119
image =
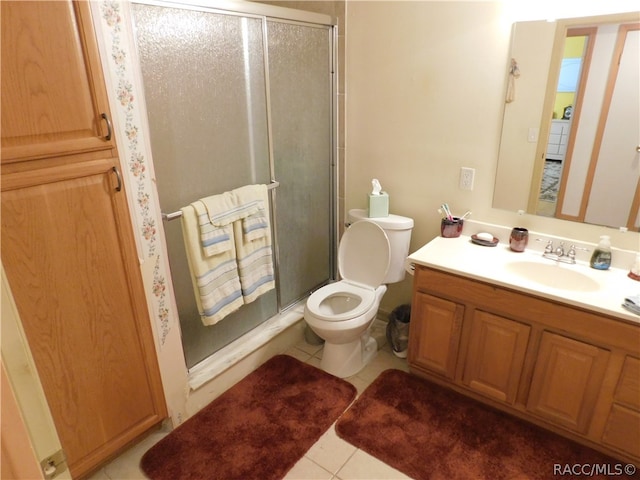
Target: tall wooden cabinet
x,y
67,244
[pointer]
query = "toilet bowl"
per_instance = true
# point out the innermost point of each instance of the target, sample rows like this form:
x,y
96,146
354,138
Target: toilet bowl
x,y
342,312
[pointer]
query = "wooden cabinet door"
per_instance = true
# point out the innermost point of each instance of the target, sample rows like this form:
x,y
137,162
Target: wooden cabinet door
x,y
566,381
435,334
495,356
53,94
69,256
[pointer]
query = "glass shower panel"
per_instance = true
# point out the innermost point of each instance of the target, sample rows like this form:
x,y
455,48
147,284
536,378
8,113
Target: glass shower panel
x,y
204,83
300,79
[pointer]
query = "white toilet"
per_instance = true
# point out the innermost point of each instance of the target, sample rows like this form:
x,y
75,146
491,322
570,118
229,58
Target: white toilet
x,y
371,255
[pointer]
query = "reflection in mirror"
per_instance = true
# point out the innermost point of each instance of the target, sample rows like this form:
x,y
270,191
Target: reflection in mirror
x,y
570,83
571,130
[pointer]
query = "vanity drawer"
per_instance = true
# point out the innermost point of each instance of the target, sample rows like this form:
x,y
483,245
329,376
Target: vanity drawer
x,y
628,389
623,430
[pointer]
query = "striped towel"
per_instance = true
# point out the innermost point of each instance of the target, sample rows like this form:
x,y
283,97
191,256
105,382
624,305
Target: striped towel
x,y
255,226
215,236
252,236
227,208
632,303
215,277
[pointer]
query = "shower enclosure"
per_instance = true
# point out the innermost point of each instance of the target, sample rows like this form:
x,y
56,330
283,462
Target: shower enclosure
x,y
237,98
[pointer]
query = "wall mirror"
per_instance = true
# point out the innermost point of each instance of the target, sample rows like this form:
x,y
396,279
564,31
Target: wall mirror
x,y
570,144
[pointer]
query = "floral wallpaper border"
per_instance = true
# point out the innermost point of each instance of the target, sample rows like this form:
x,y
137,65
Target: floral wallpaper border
x,y
134,155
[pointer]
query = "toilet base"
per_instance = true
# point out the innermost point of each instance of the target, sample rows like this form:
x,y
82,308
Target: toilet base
x,y
347,359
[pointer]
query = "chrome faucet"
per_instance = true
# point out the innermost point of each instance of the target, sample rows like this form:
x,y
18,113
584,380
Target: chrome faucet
x,y
560,250
558,254
548,250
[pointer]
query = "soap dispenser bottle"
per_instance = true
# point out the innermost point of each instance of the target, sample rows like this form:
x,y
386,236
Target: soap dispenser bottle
x,y
601,258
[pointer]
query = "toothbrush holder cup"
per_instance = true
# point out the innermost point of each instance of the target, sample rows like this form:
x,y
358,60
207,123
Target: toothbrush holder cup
x,y
518,239
451,228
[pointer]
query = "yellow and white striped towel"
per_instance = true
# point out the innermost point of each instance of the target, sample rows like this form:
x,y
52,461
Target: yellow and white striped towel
x,y
215,277
252,236
216,232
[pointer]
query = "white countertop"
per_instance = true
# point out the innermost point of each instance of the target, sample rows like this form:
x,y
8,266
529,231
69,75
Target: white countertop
x,y
493,265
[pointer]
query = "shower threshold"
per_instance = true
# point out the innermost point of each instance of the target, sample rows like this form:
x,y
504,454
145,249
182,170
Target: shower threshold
x,y
231,354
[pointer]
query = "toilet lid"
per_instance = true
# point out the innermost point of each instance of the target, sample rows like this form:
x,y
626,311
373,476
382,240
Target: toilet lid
x,y
364,254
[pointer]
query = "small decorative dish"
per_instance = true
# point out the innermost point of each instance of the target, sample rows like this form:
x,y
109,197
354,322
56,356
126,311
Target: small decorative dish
x,y
484,243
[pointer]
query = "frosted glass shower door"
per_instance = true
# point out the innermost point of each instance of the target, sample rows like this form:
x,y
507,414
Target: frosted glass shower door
x,y
204,82
301,92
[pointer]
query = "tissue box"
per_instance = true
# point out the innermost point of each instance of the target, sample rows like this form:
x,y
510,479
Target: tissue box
x,y
378,205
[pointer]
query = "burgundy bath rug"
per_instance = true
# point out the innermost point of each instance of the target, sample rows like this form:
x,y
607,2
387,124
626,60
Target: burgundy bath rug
x,y
429,432
258,429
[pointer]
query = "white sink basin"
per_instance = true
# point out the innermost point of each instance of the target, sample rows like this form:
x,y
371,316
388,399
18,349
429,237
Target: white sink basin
x,y
554,275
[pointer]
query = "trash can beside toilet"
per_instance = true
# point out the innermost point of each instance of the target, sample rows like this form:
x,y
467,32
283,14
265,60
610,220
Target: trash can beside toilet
x,y
398,330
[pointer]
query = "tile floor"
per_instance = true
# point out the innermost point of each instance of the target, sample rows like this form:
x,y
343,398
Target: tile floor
x,y
330,458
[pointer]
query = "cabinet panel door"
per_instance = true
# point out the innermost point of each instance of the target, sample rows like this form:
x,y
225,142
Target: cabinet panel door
x,y
72,270
53,93
496,356
435,333
566,381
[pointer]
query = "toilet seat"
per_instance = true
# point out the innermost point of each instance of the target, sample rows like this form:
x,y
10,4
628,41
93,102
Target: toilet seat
x,y
365,296
363,261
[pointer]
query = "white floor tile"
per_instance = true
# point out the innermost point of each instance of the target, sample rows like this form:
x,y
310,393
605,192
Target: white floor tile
x,y
362,466
306,469
315,360
360,384
384,360
127,465
308,348
298,354
331,451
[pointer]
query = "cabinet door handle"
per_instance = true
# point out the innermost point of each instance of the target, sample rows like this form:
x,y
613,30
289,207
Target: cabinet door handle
x,y
119,178
109,129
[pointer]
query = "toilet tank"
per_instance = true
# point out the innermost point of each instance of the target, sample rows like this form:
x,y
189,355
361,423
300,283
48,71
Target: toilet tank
x,y
398,230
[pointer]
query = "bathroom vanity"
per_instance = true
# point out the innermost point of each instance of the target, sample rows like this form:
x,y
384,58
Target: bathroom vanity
x,y
545,341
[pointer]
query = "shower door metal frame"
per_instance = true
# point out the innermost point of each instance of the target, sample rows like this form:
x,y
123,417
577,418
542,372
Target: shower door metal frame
x,y
334,133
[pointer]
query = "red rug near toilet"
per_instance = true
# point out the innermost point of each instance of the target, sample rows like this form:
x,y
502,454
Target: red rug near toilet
x,y
258,429
429,432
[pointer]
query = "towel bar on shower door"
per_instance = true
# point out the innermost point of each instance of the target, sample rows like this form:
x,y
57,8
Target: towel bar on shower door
x,y
173,215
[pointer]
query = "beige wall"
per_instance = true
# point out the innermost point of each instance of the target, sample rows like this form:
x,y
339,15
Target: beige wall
x,y
424,83
424,96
